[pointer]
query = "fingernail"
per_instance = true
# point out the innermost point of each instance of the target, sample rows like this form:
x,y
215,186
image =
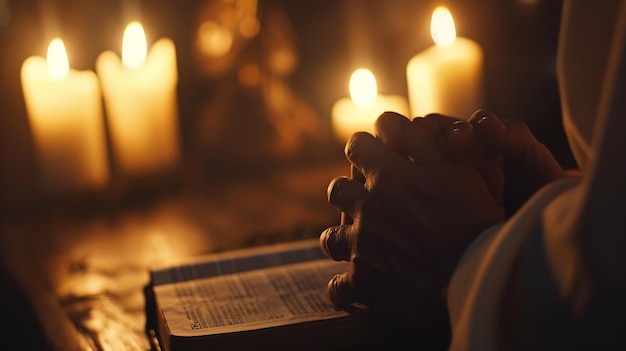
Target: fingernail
x,y
486,119
460,127
324,241
458,133
333,291
462,124
390,126
331,190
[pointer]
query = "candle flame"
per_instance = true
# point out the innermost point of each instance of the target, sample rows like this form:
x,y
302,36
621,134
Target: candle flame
x,y
442,27
363,89
134,45
58,65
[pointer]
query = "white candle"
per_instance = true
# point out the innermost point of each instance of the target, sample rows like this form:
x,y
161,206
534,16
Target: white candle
x,y
65,114
365,105
141,104
446,78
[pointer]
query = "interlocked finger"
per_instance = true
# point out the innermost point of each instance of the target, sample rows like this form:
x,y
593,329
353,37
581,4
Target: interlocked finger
x,y
369,153
461,144
356,176
344,193
341,290
422,148
336,243
435,124
391,128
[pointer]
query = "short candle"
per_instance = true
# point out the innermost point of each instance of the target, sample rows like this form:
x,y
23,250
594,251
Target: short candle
x,y
141,102
65,115
365,105
446,78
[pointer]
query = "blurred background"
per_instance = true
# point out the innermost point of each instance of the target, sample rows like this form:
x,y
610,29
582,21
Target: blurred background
x,y
248,125
257,79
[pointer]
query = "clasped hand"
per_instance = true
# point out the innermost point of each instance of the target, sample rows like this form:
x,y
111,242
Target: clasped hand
x,y
413,212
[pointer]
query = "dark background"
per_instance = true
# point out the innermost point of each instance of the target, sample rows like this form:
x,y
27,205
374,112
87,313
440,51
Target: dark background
x,y
331,39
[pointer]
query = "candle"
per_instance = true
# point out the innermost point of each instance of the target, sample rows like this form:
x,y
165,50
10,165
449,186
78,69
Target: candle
x,y
446,78
365,105
65,115
140,99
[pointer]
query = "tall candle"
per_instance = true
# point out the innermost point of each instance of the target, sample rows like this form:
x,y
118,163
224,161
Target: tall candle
x,y
65,114
360,111
446,78
141,102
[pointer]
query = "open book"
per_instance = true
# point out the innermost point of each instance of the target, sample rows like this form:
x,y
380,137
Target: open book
x,y
268,297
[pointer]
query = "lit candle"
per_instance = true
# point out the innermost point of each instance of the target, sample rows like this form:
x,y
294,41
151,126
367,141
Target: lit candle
x,y
446,78
65,114
140,99
365,105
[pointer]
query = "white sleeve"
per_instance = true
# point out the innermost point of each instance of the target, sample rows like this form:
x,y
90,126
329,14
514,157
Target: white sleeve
x,y
479,279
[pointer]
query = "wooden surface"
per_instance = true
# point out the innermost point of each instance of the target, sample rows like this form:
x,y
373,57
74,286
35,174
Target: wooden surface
x,y
81,268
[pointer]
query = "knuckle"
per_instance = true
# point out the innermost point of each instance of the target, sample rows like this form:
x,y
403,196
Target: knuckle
x,y
355,143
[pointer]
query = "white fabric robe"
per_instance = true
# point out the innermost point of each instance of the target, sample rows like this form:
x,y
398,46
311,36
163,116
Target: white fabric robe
x,y
563,254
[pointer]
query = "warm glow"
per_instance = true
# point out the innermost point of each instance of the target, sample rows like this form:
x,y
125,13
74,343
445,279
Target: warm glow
x,y
363,89
250,75
214,40
249,26
442,27
58,65
134,45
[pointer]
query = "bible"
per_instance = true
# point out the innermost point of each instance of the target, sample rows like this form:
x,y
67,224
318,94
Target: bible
x,y
266,297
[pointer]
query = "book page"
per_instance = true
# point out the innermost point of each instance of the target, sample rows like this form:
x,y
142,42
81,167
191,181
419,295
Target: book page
x,y
238,261
250,300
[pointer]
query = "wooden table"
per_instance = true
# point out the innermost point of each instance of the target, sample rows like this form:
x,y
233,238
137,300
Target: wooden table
x,y
81,267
